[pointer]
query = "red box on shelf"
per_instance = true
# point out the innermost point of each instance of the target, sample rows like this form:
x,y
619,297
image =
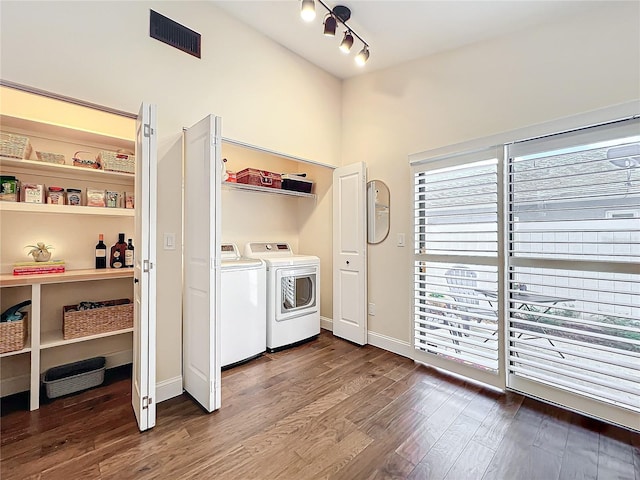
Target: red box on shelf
x,y
259,178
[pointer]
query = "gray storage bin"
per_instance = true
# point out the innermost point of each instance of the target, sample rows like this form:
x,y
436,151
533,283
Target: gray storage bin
x,y
74,377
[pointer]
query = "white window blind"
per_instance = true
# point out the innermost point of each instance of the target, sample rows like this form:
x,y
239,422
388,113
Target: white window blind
x,y
456,261
574,271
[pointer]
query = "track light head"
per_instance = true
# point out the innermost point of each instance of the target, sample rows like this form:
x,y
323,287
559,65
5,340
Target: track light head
x,y
363,56
347,42
308,11
330,25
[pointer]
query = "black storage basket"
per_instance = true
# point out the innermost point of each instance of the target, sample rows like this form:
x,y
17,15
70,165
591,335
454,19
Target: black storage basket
x,y
74,377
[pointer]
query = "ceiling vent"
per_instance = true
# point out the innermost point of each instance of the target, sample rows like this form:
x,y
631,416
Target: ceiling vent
x,y
172,33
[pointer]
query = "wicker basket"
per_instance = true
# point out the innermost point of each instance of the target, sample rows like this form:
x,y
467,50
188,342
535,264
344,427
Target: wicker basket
x,y
48,157
14,146
118,315
117,161
13,335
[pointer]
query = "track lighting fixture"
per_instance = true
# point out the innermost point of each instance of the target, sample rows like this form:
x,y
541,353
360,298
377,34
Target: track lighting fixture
x,y
330,25
341,14
347,42
308,12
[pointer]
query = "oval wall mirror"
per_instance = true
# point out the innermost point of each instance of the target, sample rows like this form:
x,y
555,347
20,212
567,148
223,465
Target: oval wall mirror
x,y
378,211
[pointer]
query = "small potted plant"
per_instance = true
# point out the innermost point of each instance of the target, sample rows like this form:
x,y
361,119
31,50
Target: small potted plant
x,y
40,252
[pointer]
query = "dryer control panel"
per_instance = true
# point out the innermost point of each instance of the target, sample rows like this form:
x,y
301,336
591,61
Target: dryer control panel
x,y
257,248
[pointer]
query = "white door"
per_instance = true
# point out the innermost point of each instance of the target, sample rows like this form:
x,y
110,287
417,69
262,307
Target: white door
x,y
350,253
201,302
144,286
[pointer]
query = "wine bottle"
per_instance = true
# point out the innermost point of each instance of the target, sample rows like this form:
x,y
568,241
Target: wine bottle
x,y
101,253
128,255
117,252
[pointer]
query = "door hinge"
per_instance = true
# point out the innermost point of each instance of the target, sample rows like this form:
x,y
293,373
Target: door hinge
x,y
145,402
147,130
146,265
214,140
213,386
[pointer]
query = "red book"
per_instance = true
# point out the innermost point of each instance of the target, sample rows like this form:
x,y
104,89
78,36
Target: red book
x,y
37,271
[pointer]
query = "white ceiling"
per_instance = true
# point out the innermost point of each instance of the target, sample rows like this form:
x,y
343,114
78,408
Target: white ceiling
x,y
396,30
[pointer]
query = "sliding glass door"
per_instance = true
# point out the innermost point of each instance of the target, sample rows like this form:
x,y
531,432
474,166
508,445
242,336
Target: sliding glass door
x,y
574,270
527,267
456,265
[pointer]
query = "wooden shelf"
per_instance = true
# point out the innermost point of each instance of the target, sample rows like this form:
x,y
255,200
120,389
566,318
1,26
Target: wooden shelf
x,y
64,209
81,135
17,352
70,172
54,338
9,280
272,191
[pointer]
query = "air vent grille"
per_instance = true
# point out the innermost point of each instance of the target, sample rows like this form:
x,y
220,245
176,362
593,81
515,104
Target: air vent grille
x,y
172,33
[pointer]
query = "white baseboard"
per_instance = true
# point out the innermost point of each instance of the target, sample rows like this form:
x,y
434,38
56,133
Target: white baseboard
x,y
118,359
326,323
168,389
390,344
9,386
377,340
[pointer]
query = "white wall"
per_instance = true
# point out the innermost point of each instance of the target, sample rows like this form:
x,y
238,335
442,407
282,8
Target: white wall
x,y
577,65
101,52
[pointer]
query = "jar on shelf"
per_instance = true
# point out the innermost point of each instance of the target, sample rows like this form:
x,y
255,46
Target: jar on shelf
x,y
55,195
74,196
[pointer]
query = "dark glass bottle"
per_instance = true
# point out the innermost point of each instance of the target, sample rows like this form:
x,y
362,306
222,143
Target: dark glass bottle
x,y
128,255
101,253
118,252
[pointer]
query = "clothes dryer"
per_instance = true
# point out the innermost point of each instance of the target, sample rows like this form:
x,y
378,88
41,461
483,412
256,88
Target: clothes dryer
x,y
293,293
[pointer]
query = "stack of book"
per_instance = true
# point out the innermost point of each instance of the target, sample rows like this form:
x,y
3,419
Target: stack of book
x,y
34,268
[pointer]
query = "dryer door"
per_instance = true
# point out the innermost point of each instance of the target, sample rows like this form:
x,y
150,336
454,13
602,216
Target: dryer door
x,y
296,292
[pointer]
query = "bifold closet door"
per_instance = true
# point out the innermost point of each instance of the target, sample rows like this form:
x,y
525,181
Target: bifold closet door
x,y
144,333
201,297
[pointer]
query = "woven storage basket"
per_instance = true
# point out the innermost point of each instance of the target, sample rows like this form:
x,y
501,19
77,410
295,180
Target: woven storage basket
x,y
74,377
49,157
14,146
13,335
117,162
81,323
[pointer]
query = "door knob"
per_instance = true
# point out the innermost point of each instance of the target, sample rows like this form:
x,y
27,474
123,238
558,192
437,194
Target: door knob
x,y
135,280
347,262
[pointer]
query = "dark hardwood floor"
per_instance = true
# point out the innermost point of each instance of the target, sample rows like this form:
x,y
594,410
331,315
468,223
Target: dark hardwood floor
x,y
325,409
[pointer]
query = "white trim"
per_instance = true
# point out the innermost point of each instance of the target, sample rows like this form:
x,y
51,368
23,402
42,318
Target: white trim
x,y
485,377
249,146
167,389
559,125
379,340
118,359
12,385
326,323
578,403
390,344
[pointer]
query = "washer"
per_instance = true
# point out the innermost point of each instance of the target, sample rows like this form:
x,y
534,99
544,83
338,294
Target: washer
x,y
293,293
243,320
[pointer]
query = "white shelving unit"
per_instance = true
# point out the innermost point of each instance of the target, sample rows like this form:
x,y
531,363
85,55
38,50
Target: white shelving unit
x,y
39,340
64,209
72,227
268,190
55,338
64,171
